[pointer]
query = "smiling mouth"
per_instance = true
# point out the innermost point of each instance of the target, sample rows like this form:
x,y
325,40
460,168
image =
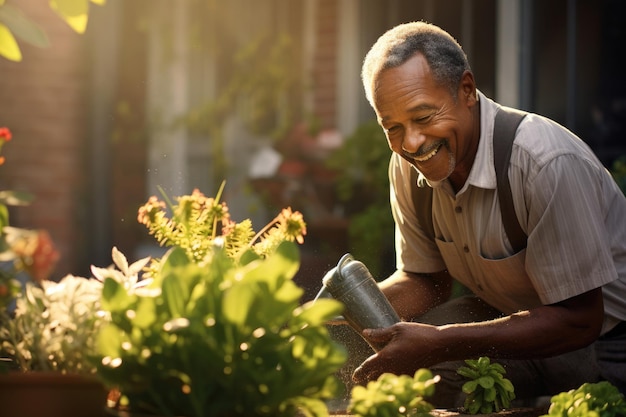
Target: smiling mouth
x,y
427,156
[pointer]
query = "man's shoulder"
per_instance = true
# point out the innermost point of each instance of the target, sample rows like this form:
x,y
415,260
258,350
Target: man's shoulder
x,y
542,140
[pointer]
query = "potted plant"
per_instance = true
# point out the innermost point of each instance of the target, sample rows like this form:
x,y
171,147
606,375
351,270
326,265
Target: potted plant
x,y
218,330
46,328
46,344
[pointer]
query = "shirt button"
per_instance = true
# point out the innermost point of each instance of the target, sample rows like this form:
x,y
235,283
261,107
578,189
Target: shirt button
x,y
458,209
466,249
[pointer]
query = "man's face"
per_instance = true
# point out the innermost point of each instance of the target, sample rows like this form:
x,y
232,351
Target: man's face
x,y
425,124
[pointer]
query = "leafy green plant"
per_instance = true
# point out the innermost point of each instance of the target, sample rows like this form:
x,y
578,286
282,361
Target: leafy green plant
x,y
394,395
487,390
54,326
601,399
13,23
218,329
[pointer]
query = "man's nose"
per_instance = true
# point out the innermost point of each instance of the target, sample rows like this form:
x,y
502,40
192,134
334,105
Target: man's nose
x,y
413,140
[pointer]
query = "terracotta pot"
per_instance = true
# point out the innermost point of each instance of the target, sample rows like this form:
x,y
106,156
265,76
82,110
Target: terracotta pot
x,y
50,394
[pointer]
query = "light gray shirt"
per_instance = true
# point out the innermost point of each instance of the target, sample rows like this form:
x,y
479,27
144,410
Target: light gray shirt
x,y
567,203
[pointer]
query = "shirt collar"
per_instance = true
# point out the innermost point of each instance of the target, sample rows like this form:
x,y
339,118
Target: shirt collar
x,y
483,173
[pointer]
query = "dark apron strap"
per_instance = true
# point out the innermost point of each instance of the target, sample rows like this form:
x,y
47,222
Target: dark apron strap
x,y
506,123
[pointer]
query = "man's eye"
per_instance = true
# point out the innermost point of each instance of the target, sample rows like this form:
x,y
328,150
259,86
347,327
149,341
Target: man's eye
x,y
422,119
393,129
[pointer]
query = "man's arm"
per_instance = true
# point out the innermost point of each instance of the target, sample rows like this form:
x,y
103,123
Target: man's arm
x,y
537,333
412,294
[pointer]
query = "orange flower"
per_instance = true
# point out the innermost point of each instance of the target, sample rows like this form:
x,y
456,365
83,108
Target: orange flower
x,y
5,134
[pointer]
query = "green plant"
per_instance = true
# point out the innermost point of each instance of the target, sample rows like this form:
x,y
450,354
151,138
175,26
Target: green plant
x,y
487,390
218,329
13,23
54,326
601,399
394,395
362,163
45,326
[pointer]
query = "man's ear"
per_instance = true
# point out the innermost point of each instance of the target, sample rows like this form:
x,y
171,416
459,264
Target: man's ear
x,y
467,89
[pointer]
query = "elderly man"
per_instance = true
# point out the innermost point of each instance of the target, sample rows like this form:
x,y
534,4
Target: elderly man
x,y
552,312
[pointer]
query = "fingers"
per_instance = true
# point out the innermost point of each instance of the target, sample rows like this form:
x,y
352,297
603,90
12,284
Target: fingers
x,y
367,371
378,335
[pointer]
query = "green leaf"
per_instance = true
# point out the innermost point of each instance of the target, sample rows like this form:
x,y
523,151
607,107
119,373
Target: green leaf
x,y
71,8
22,27
490,394
145,314
74,12
321,311
486,382
109,340
238,301
8,46
468,373
469,387
114,296
4,216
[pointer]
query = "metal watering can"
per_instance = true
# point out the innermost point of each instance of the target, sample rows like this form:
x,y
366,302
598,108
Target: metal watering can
x,y
366,307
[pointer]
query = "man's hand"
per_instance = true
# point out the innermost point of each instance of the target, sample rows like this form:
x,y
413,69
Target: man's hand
x,y
537,333
408,347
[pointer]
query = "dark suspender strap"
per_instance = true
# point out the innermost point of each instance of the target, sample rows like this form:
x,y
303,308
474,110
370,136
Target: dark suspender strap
x,y
506,123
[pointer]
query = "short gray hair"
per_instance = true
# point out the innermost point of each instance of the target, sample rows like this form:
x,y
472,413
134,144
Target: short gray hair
x,y
444,55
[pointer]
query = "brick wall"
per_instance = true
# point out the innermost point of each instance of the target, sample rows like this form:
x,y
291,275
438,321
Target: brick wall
x,y
42,101
325,63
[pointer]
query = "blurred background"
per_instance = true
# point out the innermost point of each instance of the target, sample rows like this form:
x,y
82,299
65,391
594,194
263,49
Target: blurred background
x,y
266,95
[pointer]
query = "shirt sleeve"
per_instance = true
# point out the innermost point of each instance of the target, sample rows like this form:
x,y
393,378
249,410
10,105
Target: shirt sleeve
x,y
415,251
568,249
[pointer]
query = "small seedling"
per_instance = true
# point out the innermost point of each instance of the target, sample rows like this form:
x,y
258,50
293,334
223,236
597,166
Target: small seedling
x,y
600,399
487,389
394,395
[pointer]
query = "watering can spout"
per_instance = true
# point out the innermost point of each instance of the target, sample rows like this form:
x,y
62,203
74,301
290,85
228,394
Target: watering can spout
x,y
324,292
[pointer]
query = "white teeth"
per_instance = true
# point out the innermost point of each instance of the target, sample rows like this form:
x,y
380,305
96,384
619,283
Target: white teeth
x,y
428,155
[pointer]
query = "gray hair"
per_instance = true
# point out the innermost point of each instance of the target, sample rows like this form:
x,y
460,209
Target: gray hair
x,y
444,55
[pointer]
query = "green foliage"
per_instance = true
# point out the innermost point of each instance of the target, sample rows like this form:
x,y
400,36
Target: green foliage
x,y
487,390
225,338
258,88
363,185
54,327
394,395
195,223
14,24
600,399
